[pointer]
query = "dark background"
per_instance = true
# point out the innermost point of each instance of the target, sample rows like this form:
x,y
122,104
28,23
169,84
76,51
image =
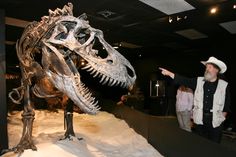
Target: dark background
x,y
3,105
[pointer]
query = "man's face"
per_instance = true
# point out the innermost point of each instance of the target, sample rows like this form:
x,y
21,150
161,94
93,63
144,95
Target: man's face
x,y
211,72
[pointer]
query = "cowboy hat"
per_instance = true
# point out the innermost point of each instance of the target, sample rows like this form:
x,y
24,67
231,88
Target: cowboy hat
x,y
219,63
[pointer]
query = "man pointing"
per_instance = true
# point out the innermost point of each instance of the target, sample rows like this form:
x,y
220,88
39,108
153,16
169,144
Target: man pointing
x,y
211,98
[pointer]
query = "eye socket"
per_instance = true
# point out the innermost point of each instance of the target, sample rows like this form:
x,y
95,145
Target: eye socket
x,y
82,35
69,24
61,35
64,27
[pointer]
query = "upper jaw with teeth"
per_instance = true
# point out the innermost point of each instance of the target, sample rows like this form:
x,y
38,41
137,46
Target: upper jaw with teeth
x,y
104,79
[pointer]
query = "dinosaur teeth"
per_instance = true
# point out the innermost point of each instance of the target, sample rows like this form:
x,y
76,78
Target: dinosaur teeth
x,y
117,83
110,82
95,104
93,72
97,108
86,67
96,74
91,100
114,82
123,85
103,77
100,75
106,80
87,96
90,69
82,85
86,90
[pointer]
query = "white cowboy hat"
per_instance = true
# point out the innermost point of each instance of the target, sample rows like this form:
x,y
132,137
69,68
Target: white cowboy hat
x,y
217,62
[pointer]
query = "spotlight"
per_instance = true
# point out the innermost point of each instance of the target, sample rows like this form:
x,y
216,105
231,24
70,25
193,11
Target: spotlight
x,y
170,20
234,6
178,18
83,63
213,10
140,55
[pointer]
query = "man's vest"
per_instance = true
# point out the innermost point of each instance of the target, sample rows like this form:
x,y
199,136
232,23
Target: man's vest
x,y
218,102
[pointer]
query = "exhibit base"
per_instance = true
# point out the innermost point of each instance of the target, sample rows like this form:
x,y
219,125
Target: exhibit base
x,y
103,136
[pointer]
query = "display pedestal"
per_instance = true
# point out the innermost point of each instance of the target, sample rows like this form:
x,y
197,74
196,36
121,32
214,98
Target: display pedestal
x,y
103,136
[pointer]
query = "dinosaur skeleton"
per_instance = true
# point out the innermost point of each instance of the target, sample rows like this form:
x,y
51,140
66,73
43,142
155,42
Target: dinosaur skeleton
x,y
61,40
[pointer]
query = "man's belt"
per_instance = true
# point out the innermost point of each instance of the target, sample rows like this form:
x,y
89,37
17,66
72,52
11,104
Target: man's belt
x,y
207,112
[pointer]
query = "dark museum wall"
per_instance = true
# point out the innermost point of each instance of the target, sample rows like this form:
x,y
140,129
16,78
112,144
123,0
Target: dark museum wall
x,y
3,105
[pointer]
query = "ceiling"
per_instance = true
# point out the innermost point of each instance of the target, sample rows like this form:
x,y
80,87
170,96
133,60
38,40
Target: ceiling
x,y
134,24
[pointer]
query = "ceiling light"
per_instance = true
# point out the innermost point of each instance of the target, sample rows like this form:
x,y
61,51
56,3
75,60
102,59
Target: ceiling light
x,y
213,10
178,18
234,6
115,47
169,6
230,26
170,19
106,13
191,34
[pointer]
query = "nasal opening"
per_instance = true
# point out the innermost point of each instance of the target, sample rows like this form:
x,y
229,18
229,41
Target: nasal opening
x,y
129,71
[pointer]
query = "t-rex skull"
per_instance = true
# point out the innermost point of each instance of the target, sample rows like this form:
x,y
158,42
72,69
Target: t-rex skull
x,y
62,37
